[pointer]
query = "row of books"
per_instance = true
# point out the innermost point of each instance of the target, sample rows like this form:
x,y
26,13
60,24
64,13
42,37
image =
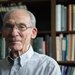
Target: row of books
x,y
43,45
65,47
65,17
68,70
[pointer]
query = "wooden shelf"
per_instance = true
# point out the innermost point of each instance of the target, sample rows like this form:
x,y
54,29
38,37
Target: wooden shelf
x,y
65,32
65,2
67,63
44,32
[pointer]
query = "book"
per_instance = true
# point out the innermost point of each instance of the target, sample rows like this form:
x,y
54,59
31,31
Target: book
x,y
2,48
59,47
63,18
48,45
58,17
70,17
38,45
73,48
69,46
63,48
73,11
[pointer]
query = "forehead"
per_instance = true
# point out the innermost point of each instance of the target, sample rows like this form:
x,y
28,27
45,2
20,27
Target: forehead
x,y
18,16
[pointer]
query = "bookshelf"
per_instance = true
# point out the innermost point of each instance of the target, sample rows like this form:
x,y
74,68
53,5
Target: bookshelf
x,y
68,63
65,33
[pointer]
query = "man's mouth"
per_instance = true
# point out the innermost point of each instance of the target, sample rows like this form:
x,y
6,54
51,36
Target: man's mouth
x,y
14,41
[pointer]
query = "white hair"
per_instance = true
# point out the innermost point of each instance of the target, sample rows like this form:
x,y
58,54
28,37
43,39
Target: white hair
x,y
32,17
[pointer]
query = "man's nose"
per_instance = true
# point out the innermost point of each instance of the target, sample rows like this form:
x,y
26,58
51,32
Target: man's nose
x,y
14,31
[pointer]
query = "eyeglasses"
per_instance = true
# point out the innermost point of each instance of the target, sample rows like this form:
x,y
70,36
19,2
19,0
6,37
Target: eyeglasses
x,y
20,27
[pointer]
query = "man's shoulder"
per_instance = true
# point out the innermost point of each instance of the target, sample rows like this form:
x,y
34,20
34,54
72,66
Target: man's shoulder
x,y
45,59
47,63
3,61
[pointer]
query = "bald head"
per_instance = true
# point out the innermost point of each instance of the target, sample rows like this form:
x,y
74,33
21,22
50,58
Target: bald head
x,y
20,13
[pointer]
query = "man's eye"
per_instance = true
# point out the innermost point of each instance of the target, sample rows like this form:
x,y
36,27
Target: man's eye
x,y
22,26
8,26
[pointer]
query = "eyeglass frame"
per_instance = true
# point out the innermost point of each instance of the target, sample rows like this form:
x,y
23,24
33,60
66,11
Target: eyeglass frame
x,y
10,27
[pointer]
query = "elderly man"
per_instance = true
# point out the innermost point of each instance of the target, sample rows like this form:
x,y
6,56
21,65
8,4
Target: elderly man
x,y
19,28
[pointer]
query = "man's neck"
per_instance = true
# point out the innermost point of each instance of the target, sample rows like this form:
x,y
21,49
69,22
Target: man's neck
x,y
14,54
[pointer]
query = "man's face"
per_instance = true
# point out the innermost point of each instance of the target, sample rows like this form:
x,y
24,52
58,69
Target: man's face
x,y
18,31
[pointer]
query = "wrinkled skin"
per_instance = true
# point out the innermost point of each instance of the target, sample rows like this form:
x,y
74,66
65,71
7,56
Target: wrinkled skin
x,y
19,41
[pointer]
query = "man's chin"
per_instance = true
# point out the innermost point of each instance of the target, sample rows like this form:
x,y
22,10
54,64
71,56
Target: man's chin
x,y
15,48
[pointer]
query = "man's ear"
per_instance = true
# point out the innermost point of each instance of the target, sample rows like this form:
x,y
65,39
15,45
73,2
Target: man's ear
x,y
34,33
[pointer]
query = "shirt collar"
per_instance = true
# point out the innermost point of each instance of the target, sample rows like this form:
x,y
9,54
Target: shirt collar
x,y
26,56
23,58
